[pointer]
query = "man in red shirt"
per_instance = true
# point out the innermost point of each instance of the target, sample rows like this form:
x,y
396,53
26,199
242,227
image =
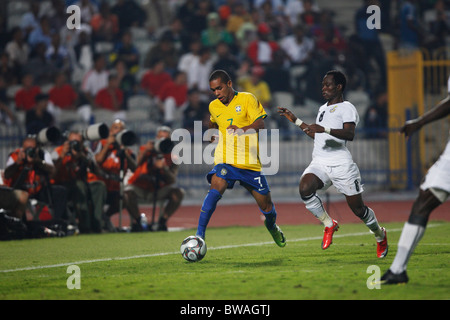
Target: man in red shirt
x,y
63,94
173,95
25,97
111,97
155,78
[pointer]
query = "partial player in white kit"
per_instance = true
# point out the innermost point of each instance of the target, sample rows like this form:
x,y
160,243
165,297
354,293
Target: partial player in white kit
x,y
434,191
333,163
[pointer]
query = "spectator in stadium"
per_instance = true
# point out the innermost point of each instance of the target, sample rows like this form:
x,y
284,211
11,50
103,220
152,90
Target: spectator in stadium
x,y
225,60
17,49
25,96
260,51
164,50
7,115
215,33
63,94
271,12
159,15
130,14
186,12
332,163
42,70
153,80
191,56
94,81
173,96
30,20
57,54
38,117
370,43
257,86
433,192
310,15
199,72
7,70
30,168
109,156
88,10
297,46
376,117
200,20
238,17
328,38
127,81
126,51
154,180
176,31
42,34
111,97
76,169
105,24
410,31
195,111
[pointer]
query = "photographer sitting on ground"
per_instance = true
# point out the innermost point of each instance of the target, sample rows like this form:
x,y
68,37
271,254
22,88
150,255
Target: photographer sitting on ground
x,y
154,180
109,155
77,170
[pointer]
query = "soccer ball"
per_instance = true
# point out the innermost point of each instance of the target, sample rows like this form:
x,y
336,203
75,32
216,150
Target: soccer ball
x,y
193,248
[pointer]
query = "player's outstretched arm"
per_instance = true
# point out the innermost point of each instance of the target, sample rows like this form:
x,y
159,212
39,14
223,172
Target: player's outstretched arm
x,y
441,110
292,118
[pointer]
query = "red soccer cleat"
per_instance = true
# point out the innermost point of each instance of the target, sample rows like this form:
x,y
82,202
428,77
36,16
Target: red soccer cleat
x,y
328,235
382,246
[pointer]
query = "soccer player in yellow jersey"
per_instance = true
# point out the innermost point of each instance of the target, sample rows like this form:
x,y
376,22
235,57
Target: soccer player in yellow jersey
x,y
238,116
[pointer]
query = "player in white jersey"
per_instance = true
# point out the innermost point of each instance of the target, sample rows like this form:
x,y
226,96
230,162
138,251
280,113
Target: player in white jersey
x,y
434,190
332,162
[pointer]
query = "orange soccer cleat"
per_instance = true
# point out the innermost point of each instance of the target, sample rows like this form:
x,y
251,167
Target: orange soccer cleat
x,y
382,246
328,235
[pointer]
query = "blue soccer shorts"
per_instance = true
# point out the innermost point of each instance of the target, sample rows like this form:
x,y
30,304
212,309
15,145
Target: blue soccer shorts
x,y
255,180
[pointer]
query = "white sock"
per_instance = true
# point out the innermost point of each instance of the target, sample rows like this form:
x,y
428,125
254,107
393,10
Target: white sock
x,y
410,237
315,206
372,223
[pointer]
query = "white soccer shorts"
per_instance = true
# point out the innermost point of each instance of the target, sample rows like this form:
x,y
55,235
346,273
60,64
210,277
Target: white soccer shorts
x,y
345,178
438,176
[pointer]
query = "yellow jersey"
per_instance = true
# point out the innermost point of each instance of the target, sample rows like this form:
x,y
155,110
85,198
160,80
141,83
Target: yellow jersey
x,y
239,150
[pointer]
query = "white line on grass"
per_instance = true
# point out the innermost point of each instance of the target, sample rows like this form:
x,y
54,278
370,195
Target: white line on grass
x,y
177,252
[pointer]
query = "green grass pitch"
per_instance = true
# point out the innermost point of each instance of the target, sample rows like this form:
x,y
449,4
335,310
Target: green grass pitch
x,y
242,263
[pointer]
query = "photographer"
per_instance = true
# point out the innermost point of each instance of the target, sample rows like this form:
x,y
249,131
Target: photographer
x,y
77,171
154,180
29,169
111,156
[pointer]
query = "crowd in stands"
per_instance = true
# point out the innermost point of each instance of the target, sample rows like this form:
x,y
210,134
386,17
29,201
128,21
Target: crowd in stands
x,y
266,46
165,50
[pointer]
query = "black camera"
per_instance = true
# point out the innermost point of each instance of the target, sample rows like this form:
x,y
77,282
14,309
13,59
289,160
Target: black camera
x,y
75,145
34,153
30,152
164,145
